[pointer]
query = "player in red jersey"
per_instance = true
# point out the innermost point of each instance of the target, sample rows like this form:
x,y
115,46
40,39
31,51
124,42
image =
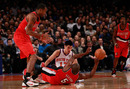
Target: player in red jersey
x,y
68,74
21,37
121,46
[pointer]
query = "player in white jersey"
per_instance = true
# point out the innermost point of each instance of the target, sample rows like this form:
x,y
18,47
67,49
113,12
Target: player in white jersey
x,y
62,56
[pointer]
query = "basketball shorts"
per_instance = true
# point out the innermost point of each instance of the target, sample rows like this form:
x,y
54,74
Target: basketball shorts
x,y
24,44
121,51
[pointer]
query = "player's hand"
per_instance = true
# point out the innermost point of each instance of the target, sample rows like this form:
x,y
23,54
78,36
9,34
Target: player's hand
x,y
40,58
42,64
92,57
45,37
116,44
89,49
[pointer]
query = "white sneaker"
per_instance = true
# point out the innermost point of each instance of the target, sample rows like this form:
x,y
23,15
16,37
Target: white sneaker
x,y
113,75
39,80
29,83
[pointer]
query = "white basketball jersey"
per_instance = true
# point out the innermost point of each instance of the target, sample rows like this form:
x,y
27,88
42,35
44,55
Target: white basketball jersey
x,y
63,58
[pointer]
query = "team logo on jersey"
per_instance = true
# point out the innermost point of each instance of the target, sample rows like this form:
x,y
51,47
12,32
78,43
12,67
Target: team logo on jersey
x,y
116,54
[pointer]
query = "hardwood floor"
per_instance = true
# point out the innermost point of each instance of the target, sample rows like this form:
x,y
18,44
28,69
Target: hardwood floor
x,y
101,80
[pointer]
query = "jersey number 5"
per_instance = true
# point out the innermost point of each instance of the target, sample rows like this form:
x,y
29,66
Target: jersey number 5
x,y
64,80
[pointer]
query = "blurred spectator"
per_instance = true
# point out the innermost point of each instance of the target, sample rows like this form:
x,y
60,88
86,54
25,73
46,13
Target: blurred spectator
x,y
82,41
93,23
94,41
25,9
2,46
10,36
98,31
88,38
10,56
62,33
57,34
86,26
107,62
68,34
77,49
90,31
50,49
42,46
70,25
35,43
105,36
76,38
78,27
86,61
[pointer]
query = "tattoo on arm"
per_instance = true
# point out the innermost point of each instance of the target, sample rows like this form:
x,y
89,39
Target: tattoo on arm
x,y
31,23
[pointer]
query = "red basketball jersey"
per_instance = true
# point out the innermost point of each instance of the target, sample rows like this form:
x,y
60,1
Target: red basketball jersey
x,y
123,35
61,77
22,26
22,40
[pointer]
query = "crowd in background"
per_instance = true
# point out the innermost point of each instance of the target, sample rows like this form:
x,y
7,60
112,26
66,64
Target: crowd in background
x,y
87,23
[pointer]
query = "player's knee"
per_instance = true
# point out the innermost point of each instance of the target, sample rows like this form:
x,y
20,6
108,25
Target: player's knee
x,y
34,57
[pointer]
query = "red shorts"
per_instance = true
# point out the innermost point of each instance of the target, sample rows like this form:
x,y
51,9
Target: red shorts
x,y
24,44
122,50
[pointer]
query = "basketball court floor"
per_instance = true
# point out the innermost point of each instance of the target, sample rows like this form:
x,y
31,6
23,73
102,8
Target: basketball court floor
x,y
101,80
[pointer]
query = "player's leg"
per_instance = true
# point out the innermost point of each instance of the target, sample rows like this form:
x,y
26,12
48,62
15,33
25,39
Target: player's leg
x,y
26,48
30,67
117,52
124,55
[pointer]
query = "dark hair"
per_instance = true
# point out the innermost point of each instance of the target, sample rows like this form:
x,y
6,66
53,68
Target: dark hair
x,y
69,42
9,39
41,6
122,17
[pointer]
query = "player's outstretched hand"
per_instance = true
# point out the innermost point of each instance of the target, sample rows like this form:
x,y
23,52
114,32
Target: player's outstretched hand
x,y
89,49
45,37
42,64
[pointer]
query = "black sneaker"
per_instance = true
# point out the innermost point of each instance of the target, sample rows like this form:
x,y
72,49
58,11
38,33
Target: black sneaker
x,y
114,73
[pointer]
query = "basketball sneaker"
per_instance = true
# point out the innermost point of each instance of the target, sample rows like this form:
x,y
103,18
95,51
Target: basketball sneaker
x,y
39,79
28,82
113,72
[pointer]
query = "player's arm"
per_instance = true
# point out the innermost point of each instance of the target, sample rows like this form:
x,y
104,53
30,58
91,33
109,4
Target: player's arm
x,y
114,35
82,54
72,59
90,75
53,56
75,61
31,19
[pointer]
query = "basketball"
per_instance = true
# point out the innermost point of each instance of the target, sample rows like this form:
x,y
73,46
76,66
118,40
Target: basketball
x,y
100,54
